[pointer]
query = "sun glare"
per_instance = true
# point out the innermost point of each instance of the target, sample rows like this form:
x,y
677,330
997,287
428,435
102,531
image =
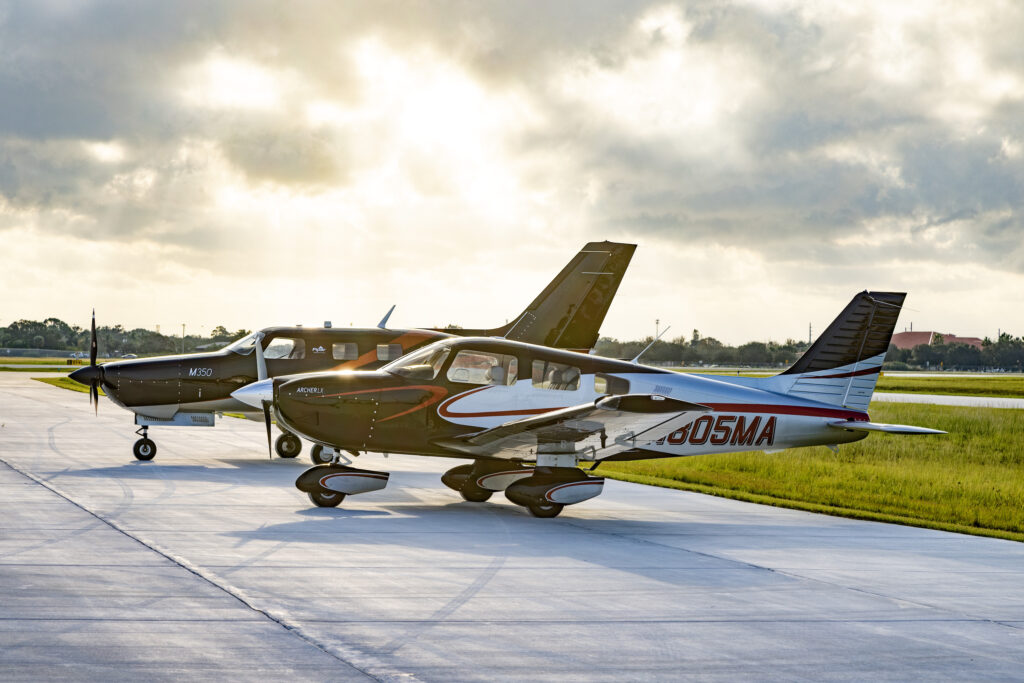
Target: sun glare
x,y
221,82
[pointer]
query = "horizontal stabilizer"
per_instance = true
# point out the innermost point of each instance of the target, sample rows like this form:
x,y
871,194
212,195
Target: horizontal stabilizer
x,y
858,426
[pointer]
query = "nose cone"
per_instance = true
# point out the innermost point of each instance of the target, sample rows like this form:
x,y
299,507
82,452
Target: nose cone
x,y
87,374
256,393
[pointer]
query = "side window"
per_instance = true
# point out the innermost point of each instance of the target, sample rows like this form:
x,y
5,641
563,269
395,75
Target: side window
x,y
389,352
285,348
481,367
609,384
548,375
344,351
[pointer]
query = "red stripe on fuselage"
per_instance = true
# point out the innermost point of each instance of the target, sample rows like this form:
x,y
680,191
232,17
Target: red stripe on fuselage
x,y
808,411
857,373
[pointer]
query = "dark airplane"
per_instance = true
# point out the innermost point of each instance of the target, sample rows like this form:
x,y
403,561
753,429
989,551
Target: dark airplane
x,y
188,390
528,415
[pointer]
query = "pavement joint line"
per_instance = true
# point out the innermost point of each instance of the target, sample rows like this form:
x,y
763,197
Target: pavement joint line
x,y
198,572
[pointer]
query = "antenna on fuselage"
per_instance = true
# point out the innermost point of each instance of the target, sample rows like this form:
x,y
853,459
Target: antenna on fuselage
x,y
636,359
383,324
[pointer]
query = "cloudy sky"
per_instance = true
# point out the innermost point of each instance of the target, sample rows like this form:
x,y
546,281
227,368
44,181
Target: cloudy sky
x,y
255,163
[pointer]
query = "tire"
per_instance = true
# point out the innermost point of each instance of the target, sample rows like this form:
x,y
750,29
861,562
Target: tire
x,y
288,445
320,455
326,499
144,449
474,493
545,510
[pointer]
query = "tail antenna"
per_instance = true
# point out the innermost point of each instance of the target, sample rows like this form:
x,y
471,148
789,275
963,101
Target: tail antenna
x,y
383,324
636,360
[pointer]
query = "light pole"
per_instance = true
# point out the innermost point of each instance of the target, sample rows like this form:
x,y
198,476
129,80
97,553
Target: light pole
x,y
183,338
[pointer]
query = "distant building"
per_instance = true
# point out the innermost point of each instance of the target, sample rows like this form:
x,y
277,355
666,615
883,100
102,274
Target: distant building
x,y
908,340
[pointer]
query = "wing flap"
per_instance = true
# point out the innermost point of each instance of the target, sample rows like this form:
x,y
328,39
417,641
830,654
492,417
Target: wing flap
x,y
858,426
607,426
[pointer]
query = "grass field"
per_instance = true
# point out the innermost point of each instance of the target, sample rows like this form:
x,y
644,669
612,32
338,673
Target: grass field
x,y
984,385
67,370
65,383
971,480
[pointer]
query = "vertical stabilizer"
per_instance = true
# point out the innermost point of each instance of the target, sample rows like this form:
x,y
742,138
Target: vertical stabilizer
x,y
842,366
569,312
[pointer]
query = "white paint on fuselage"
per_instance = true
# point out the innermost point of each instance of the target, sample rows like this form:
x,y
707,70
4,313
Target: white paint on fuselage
x,y
490,406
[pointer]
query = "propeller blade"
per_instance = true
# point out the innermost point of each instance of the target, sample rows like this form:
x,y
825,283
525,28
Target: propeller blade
x,y
261,363
92,341
94,396
266,418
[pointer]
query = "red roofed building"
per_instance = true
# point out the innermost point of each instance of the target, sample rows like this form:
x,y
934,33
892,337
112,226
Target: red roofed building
x,y
908,340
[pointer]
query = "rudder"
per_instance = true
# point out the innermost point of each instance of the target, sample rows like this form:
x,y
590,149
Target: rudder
x,y
842,366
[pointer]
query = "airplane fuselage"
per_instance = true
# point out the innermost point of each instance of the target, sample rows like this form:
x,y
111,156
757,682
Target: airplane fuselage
x,y
385,411
202,382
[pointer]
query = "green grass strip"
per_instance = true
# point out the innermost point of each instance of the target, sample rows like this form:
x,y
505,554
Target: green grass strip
x,y
65,383
1004,387
970,480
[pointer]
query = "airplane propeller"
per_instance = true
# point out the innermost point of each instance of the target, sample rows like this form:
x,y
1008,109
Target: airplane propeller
x,y
91,375
261,374
266,418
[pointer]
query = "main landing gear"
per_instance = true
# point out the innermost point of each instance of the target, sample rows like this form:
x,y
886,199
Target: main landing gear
x,y
288,445
144,448
544,490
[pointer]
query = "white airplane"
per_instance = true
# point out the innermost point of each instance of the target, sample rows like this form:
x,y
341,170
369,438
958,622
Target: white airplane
x,y
529,416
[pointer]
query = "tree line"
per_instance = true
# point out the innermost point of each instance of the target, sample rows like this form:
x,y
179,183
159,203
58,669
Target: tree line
x,y
700,350
1006,353
56,335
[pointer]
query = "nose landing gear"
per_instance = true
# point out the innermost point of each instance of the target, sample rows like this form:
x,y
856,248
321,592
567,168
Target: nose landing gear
x,y
288,445
144,448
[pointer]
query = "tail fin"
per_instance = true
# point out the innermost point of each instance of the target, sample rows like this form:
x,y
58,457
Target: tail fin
x,y
569,312
842,366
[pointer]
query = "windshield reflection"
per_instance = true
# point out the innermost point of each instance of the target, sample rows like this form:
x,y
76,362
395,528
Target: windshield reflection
x,y
423,364
245,345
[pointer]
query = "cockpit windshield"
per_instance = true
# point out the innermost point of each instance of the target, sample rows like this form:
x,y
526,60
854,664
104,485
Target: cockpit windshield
x,y
245,345
423,364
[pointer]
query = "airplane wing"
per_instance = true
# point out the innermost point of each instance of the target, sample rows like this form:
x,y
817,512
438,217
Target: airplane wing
x,y
857,426
606,426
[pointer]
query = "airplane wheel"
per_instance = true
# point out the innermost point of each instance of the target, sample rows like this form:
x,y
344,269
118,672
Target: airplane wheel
x,y
474,493
545,510
144,449
288,445
326,499
320,455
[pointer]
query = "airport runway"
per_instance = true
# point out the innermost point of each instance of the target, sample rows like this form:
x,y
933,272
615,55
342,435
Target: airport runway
x,y
207,564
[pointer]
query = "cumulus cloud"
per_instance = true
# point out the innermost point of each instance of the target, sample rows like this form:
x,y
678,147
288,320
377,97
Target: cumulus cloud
x,y
859,143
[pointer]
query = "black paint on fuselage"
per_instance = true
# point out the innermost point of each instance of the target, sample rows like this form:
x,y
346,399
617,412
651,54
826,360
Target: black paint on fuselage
x,y
208,378
383,411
